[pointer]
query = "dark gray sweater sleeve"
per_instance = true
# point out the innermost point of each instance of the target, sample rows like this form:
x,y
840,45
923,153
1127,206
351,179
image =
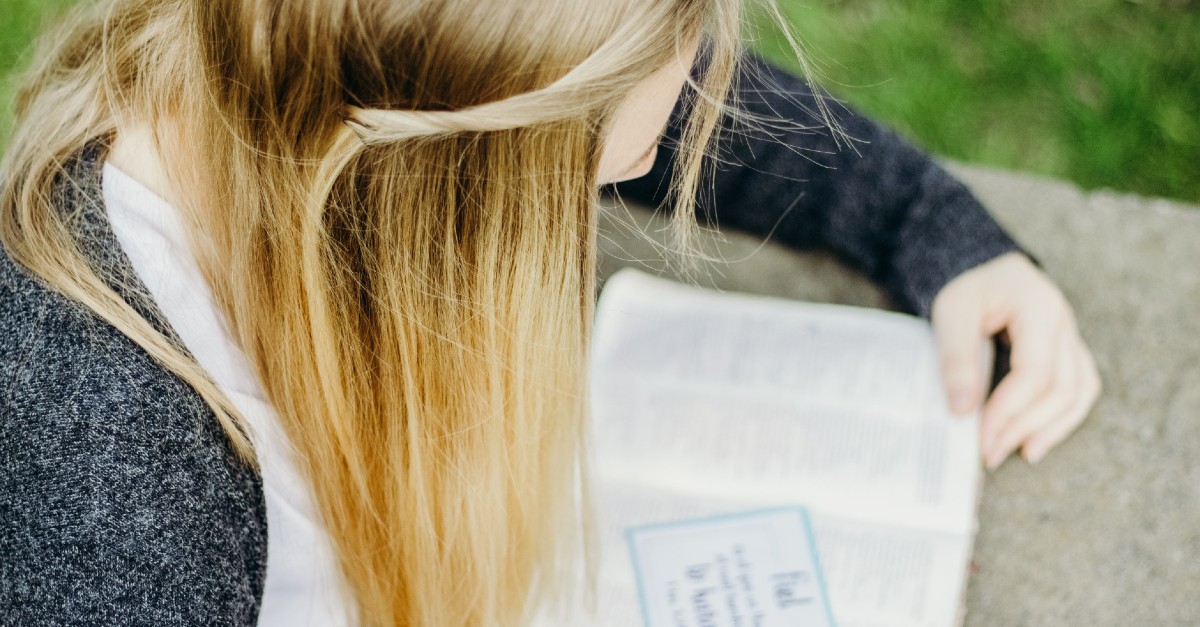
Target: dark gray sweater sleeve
x,y
879,204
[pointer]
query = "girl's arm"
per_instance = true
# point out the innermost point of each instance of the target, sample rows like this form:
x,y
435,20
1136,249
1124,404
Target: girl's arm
x,y
879,204
885,208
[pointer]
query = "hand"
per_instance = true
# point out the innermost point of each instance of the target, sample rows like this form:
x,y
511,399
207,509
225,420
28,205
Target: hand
x,y
1053,383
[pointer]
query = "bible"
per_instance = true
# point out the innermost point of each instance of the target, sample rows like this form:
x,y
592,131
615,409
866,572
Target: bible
x,y
709,404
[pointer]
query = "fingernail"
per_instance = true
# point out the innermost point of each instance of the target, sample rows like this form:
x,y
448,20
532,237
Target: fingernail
x,y
1033,456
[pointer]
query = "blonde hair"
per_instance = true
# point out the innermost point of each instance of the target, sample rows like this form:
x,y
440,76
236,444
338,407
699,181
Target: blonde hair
x,y
395,206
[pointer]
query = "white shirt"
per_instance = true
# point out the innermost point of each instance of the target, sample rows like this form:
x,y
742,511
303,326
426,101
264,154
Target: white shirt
x,y
303,584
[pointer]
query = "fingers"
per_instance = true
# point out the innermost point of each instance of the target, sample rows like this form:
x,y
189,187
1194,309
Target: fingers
x,y
1052,383
1066,400
1041,442
1059,395
957,327
1035,354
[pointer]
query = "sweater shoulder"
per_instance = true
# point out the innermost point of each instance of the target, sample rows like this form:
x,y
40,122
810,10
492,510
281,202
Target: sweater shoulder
x,y
123,497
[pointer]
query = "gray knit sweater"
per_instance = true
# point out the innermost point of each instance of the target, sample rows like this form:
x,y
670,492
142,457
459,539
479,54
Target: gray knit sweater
x,y
121,501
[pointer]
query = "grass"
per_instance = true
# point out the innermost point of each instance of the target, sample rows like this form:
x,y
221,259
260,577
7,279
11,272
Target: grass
x,y
22,20
1102,92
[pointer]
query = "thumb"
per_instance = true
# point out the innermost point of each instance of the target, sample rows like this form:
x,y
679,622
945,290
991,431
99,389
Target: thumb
x,y
958,329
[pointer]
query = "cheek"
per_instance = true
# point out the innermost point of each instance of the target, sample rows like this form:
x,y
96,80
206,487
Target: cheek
x,y
639,123
644,166
624,149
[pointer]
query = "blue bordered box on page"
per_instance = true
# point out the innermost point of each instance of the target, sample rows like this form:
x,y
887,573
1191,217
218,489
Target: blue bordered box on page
x,y
750,569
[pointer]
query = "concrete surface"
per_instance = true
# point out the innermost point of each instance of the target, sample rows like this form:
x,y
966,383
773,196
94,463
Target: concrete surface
x,y
1106,529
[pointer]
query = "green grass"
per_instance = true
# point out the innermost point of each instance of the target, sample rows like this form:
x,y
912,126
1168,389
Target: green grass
x,y
1101,92
21,21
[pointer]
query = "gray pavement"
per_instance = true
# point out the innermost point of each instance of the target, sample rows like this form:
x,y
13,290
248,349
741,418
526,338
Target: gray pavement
x,y
1106,529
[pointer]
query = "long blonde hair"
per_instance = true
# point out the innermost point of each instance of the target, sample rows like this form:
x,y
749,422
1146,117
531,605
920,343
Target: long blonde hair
x,y
395,206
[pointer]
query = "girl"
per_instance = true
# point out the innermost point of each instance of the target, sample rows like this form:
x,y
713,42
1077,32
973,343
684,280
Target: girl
x,y
295,295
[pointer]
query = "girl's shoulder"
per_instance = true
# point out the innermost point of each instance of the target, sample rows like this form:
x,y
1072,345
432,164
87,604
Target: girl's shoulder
x,y
122,497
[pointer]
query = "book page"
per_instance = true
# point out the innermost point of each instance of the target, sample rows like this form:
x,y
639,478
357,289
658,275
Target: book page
x,y
745,568
875,576
837,408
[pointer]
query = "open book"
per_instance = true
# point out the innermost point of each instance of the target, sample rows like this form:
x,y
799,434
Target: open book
x,y
707,404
